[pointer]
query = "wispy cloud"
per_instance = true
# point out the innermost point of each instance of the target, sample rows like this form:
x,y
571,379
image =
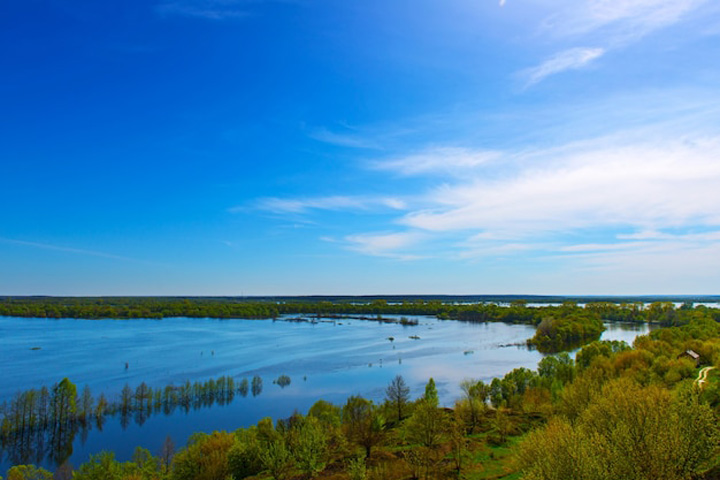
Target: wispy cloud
x,y
393,245
572,59
599,183
610,24
337,202
451,160
619,20
642,184
342,139
204,9
77,251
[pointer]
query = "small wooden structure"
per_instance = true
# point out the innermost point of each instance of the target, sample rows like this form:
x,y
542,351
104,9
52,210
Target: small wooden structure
x,y
694,356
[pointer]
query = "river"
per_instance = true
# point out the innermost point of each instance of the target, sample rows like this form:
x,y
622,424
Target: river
x,y
328,359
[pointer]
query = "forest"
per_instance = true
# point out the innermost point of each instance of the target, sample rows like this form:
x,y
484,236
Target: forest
x,y
646,411
518,310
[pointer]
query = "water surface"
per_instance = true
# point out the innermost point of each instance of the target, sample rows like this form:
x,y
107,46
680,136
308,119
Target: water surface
x,y
328,360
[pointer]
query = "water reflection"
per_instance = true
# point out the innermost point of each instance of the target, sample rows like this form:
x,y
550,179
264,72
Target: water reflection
x,y
331,357
41,429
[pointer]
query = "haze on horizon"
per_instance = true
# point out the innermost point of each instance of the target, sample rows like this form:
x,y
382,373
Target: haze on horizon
x,y
296,147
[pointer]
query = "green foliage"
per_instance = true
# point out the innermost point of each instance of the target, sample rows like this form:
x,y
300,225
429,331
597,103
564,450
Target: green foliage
x,y
257,385
363,423
64,402
103,466
397,395
431,394
204,458
560,368
615,412
244,456
277,459
509,391
309,445
28,472
427,426
226,307
627,432
356,469
472,406
282,380
602,348
557,333
326,412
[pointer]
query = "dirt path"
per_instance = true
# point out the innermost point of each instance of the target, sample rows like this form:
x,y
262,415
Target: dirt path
x,y
702,376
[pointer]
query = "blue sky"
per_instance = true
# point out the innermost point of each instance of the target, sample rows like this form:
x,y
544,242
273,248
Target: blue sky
x,y
257,147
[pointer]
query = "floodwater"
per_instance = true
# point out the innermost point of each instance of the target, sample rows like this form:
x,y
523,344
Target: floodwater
x,y
329,359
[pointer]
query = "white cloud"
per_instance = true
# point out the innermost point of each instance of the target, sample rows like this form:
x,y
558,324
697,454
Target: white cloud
x,y
336,202
451,160
572,59
597,184
392,245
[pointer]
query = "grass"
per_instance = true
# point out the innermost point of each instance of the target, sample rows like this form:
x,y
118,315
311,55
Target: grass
x,y
494,461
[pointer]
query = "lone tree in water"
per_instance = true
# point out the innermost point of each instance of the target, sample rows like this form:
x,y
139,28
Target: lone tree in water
x,y
398,395
64,402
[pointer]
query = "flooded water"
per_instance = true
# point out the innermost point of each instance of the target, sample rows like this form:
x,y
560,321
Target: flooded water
x,y
330,360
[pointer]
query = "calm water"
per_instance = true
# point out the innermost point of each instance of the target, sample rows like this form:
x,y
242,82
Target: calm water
x,y
328,360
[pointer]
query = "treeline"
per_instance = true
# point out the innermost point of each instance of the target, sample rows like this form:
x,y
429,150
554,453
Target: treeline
x,y
555,334
518,311
614,412
39,424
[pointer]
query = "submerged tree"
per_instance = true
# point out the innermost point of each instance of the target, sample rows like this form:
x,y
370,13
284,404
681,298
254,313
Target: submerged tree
x,y
257,385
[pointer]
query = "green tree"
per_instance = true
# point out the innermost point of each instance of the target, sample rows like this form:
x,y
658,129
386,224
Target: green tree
x,y
28,472
101,466
356,469
326,412
86,405
363,424
64,402
476,393
426,426
627,432
257,385
431,394
244,456
309,442
398,395
277,459
204,458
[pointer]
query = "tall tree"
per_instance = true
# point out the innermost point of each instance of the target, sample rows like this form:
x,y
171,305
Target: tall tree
x,y
426,426
398,395
309,446
363,423
431,393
